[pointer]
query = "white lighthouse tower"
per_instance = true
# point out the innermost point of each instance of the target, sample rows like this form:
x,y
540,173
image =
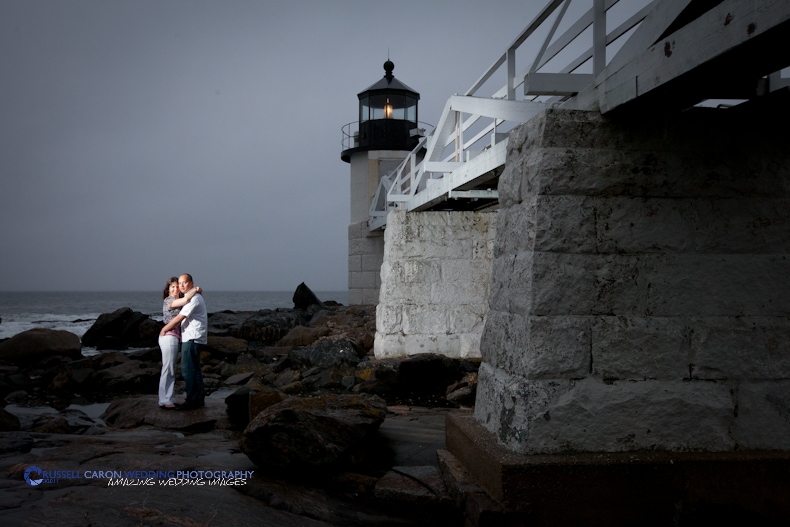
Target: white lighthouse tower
x,y
374,146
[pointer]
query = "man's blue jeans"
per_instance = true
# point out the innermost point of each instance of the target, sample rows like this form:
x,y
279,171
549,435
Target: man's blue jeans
x,y
190,370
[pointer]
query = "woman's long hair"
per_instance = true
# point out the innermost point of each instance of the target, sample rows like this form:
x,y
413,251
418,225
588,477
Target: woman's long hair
x,y
166,291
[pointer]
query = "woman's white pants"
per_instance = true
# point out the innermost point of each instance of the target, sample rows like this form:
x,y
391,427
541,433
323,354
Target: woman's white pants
x,y
167,380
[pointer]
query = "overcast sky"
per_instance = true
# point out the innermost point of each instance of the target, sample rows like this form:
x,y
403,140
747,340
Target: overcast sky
x,y
146,138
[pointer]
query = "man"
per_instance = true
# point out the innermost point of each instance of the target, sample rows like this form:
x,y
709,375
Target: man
x,y
194,330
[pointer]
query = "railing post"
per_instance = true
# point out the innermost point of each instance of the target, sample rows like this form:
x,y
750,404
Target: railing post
x,y
511,74
599,36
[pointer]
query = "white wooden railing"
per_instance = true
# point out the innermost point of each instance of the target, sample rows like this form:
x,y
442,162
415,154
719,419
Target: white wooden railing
x,y
569,70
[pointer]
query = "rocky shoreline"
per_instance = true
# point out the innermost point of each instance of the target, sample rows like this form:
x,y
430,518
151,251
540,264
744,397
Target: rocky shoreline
x,y
295,395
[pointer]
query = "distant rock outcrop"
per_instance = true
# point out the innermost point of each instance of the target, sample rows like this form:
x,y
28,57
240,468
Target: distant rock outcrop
x,y
304,298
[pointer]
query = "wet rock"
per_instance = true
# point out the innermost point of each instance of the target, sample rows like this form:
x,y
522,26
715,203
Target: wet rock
x,y
16,396
313,435
122,329
226,347
239,378
69,421
325,354
221,322
287,377
303,336
412,485
248,401
34,346
70,379
304,298
8,421
132,376
145,410
267,325
15,442
463,392
270,354
144,355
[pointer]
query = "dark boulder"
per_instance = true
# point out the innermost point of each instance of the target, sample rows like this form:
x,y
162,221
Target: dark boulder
x,y
308,436
226,347
248,401
68,421
145,411
132,376
326,353
122,329
304,298
302,336
267,325
8,421
35,346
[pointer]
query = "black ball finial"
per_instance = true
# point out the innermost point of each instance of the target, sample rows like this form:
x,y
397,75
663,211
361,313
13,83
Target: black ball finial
x,y
388,67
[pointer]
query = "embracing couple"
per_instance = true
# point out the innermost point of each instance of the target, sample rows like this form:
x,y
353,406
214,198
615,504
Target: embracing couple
x,y
186,320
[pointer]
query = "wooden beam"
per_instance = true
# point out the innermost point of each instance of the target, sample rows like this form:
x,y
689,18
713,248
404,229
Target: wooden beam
x,y
556,83
721,30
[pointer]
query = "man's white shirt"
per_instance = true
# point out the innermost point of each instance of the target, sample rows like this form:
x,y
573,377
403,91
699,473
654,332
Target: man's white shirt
x,y
195,325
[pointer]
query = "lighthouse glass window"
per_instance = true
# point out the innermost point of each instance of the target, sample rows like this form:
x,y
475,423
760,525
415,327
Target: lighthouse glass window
x,y
388,107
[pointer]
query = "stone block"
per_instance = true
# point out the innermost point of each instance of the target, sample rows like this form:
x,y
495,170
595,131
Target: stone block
x,y
371,297
451,293
358,230
763,420
389,318
469,345
354,263
555,347
533,417
371,262
405,293
354,296
424,319
422,271
515,225
564,224
580,284
364,280
640,348
716,285
503,333
700,225
385,346
443,344
624,488
478,270
365,246
740,347
468,318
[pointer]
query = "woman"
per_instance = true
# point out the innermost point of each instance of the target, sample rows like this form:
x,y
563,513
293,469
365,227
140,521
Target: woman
x,y
172,302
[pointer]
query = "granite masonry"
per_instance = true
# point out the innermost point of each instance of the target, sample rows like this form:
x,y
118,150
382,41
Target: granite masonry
x,y
640,292
434,283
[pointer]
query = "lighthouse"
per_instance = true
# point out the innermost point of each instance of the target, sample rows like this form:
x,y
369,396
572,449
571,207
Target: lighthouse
x,y
374,146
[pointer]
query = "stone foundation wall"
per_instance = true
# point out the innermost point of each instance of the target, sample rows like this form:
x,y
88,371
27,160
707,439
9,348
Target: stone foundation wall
x,y
365,254
434,283
640,295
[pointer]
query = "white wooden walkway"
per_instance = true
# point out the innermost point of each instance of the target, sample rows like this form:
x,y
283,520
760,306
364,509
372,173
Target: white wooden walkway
x,y
666,55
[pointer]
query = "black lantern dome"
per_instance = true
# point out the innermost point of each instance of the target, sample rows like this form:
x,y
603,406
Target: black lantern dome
x,y
387,116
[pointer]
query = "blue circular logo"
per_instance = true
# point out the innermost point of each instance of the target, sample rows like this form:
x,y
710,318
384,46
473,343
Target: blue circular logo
x,y
31,481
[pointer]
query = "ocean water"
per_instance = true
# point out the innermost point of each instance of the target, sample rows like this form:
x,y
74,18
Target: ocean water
x,y
77,311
